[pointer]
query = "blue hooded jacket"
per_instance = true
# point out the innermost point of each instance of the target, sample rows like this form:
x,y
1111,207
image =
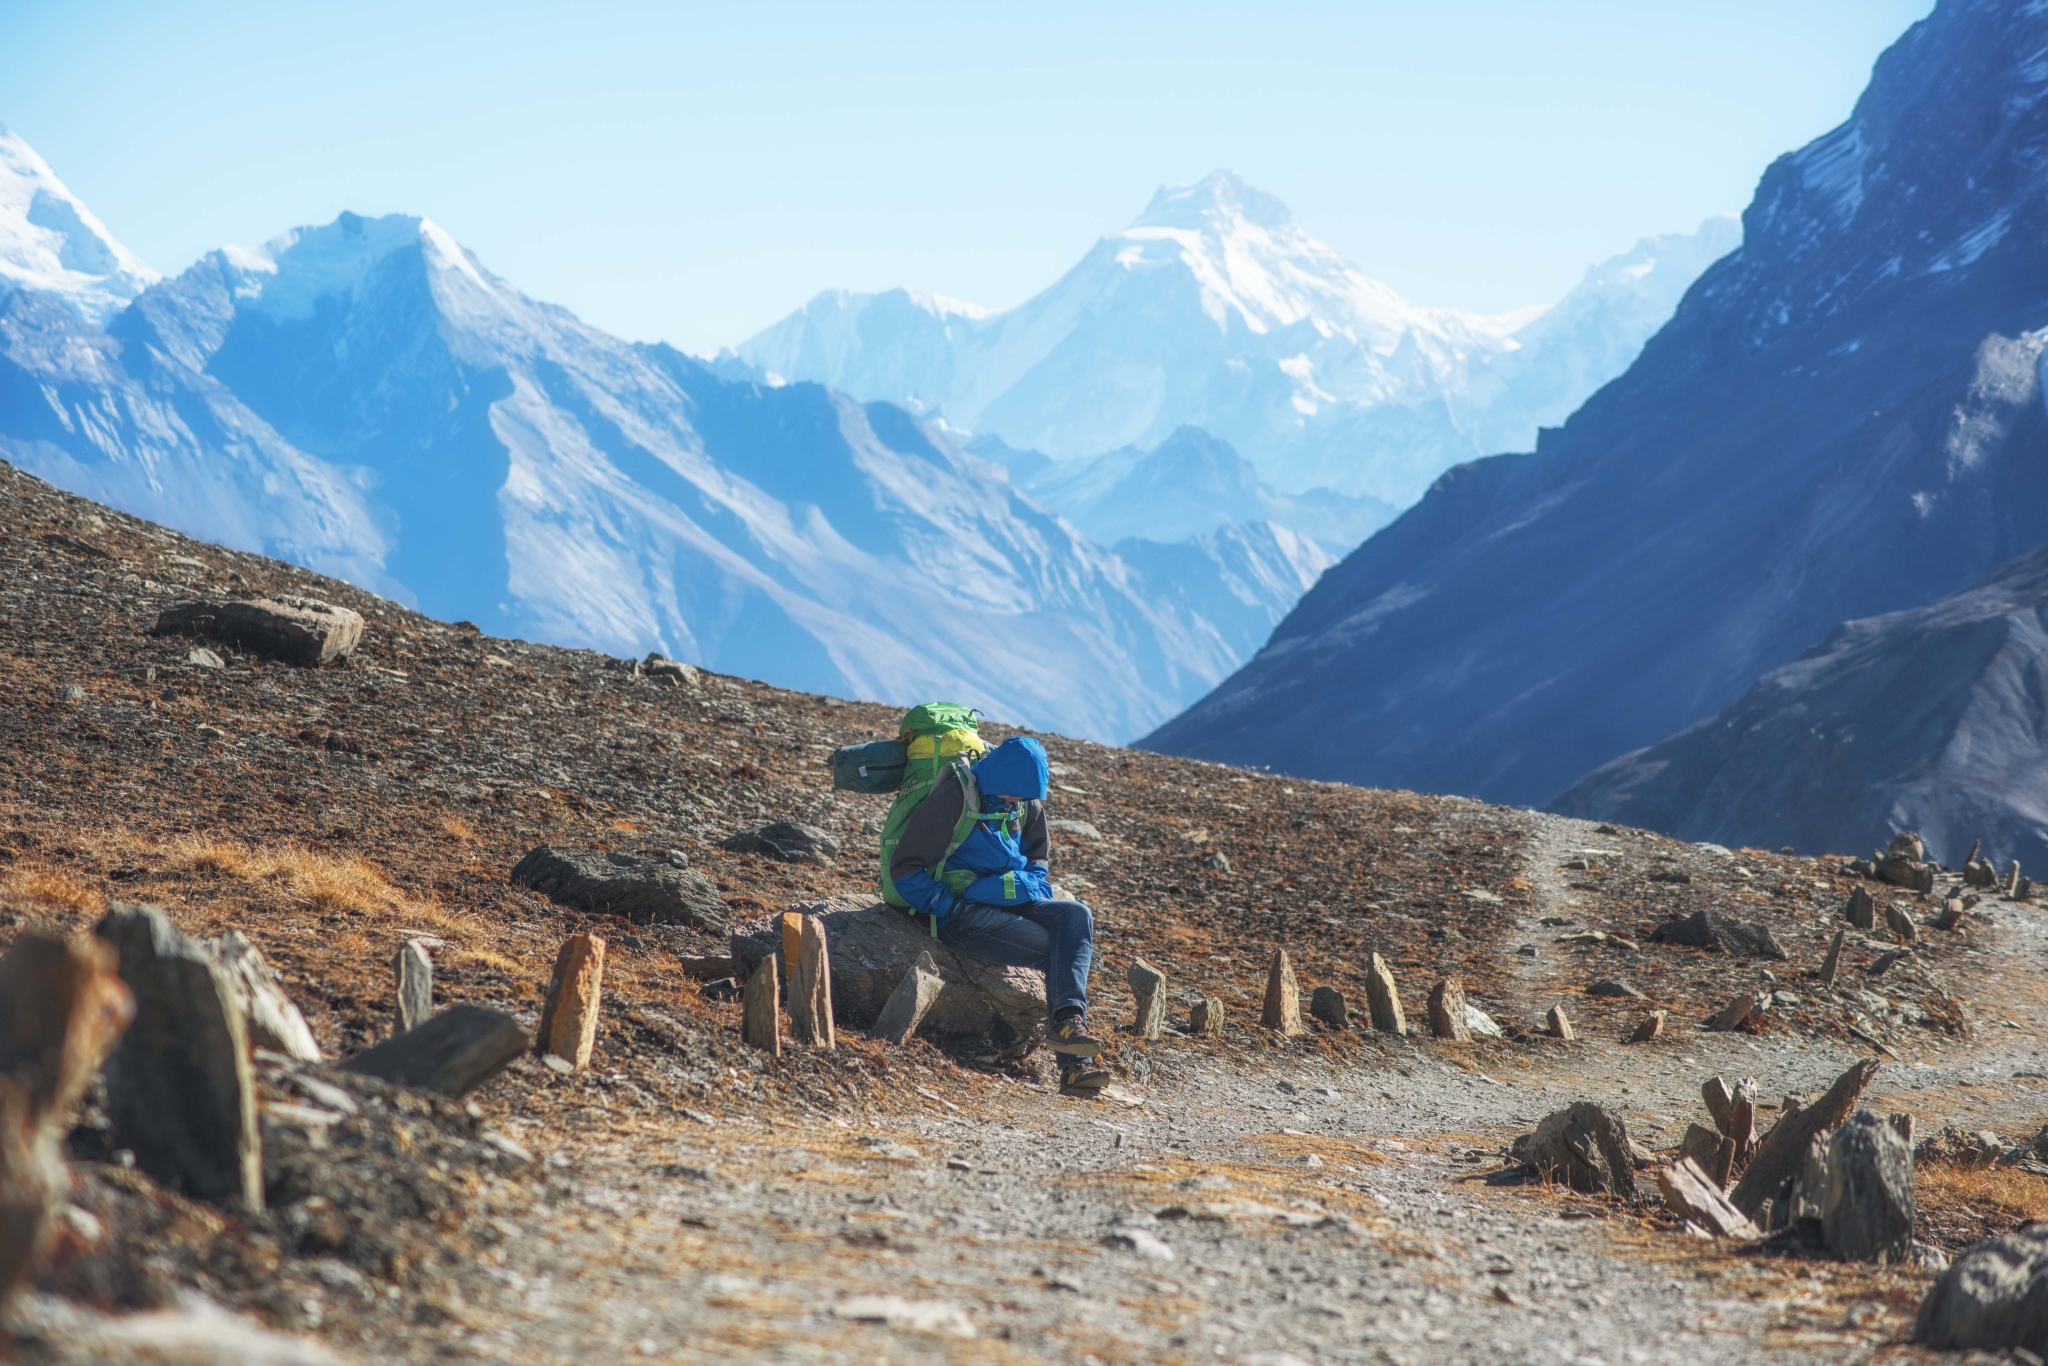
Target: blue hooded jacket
x,y
1004,876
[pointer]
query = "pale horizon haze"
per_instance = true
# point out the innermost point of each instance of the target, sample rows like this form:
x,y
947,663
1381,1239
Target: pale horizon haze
x,y
692,173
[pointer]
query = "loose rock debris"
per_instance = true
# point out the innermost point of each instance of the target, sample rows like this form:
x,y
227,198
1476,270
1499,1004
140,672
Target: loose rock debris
x,y
332,815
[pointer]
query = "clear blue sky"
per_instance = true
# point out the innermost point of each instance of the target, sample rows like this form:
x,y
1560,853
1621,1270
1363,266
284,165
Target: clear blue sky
x,y
691,172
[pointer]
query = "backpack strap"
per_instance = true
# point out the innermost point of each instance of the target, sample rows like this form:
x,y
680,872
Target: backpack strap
x,y
970,816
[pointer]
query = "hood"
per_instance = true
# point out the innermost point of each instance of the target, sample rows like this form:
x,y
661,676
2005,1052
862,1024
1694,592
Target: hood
x,y
1015,768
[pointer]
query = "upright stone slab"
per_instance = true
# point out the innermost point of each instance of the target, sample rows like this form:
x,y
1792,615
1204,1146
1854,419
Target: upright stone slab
x,y
1652,1027
1558,1025
1383,998
451,1054
1205,1018
1861,910
1281,1009
1327,1004
1148,985
568,1022
413,972
1832,964
761,1008
906,1007
180,1091
810,986
1735,1012
1447,1011
1867,1211
1720,1103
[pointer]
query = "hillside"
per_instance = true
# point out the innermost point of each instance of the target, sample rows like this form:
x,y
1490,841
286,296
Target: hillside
x,y
1842,419
1928,720
687,1198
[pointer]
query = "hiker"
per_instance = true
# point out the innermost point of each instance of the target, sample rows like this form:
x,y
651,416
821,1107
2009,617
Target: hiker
x,y
990,899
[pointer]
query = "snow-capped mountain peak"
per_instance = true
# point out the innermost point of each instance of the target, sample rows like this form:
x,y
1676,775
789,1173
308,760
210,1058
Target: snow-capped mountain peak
x,y
1214,308
51,243
289,275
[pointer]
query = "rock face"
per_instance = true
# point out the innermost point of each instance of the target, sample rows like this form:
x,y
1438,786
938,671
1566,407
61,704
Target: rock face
x,y
1712,930
1995,1295
1885,452
273,1021
1867,1206
644,890
180,1093
786,841
873,945
301,631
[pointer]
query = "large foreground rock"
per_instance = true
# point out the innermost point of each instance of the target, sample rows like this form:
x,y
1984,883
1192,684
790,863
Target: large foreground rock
x,y
1996,1295
644,890
301,631
873,945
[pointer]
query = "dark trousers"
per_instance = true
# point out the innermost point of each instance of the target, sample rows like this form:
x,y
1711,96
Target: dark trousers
x,y
1056,937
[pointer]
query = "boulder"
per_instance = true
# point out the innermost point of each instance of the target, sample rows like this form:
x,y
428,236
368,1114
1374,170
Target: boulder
x,y
873,945
1328,1005
660,666
1713,930
1995,1296
453,1053
1959,1147
785,841
644,890
1867,1205
1447,1011
1583,1146
303,631
1907,844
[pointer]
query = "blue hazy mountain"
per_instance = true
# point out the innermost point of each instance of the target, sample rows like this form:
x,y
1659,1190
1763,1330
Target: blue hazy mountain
x,y
365,398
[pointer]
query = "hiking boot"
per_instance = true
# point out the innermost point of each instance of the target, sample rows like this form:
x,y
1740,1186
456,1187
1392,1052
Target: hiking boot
x,y
1070,1036
1083,1079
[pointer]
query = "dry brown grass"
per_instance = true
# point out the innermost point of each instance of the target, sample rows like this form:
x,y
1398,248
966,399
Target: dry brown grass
x,y
456,828
2009,1192
51,889
325,883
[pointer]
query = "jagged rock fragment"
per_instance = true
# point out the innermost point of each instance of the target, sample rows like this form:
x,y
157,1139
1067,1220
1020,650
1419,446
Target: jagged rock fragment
x,y
1447,1011
1651,1027
180,1093
451,1054
1148,985
1558,1025
1691,1194
1584,1146
1782,1150
907,1006
1281,1008
1383,998
1327,1004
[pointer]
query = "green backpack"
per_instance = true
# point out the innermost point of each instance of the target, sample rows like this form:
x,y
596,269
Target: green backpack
x,y
933,738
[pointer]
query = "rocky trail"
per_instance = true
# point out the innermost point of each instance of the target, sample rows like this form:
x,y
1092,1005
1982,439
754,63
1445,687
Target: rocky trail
x,y
1247,1196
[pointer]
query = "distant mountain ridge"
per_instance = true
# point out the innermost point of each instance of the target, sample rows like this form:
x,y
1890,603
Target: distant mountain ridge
x,y
1837,422
1214,309
1191,484
365,398
52,244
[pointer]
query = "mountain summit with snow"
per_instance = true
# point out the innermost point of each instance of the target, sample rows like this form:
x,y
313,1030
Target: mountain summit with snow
x,y
1215,309
51,243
